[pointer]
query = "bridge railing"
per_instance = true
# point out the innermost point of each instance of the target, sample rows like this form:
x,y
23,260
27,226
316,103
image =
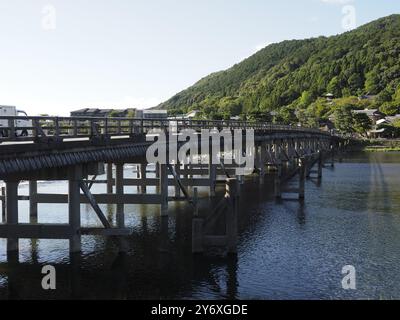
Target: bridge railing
x,y
31,128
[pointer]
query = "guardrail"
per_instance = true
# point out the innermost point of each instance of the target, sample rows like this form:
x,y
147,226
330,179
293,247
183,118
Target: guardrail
x,y
34,128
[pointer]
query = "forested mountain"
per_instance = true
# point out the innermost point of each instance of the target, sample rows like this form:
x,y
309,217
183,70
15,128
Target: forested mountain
x,y
291,77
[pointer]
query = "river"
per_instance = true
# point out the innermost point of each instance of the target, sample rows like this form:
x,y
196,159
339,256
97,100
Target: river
x,y
287,249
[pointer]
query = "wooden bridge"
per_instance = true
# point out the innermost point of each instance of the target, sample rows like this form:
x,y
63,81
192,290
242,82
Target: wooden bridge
x,y
79,150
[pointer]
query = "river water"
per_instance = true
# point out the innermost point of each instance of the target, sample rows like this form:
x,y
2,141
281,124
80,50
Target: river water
x,y
287,249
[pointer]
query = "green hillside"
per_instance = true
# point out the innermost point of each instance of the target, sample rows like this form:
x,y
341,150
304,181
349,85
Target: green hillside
x,y
291,77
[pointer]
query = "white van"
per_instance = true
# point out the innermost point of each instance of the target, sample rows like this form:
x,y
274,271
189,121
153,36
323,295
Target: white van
x,y
11,111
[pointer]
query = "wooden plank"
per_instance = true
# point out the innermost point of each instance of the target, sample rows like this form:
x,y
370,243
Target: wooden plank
x,y
95,206
106,232
178,180
36,231
103,198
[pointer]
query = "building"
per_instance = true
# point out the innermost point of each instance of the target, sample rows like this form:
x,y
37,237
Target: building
x,y
192,114
152,114
373,114
393,119
102,113
329,97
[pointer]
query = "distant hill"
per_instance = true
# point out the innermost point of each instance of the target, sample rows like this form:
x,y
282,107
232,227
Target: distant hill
x,y
289,76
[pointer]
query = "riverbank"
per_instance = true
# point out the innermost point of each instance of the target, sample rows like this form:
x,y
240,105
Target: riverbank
x,y
376,145
381,149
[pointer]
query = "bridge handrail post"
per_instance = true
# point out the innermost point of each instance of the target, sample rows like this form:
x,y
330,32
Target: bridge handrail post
x,y
75,127
105,129
56,127
11,126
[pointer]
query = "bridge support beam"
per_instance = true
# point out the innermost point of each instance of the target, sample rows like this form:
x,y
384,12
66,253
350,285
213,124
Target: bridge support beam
x,y
200,226
110,181
320,164
177,188
3,204
164,189
74,213
278,180
197,235
143,176
11,204
119,188
33,205
261,162
302,178
212,172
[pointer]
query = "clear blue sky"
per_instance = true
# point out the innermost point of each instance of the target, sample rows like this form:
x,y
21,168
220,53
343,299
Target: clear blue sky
x,y
130,53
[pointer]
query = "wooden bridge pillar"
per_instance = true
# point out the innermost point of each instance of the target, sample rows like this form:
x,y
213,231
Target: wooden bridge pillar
x,y
164,189
212,169
320,164
119,190
33,205
110,181
278,180
278,173
302,177
177,187
197,235
3,204
261,162
74,213
143,176
11,208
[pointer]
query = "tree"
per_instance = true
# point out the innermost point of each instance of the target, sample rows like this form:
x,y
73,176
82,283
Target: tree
x,y
131,113
372,85
355,83
396,123
390,108
334,87
306,98
361,123
113,114
385,95
344,119
396,96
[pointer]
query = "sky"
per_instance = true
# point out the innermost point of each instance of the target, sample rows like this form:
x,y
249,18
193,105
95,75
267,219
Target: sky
x,y
62,55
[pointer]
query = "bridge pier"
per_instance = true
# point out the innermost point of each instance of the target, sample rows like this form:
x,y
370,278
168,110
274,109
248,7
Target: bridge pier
x,y
110,181
11,205
3,204
212,175
302,178
74,213
119,190
143,176
33,205
261,162
200,225
177,188
164,189
320,163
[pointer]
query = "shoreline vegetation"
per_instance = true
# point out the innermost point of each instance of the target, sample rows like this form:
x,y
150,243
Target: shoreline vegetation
x,y
377,145
381,149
